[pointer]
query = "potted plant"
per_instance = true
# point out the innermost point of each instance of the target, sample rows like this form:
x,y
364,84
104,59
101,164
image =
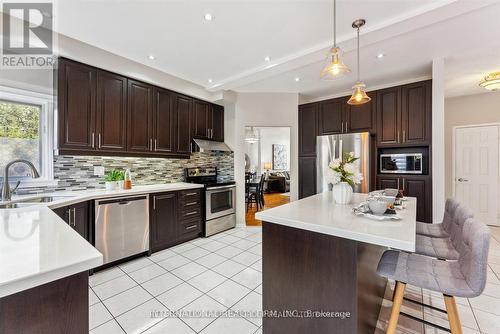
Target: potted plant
x,y
344,176
113,179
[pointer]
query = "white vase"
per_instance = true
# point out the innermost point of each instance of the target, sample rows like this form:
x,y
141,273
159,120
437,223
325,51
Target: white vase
x,y
342,193
112,185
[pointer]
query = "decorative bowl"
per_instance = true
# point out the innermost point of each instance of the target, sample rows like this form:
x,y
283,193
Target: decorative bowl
x,y
391,192
377,207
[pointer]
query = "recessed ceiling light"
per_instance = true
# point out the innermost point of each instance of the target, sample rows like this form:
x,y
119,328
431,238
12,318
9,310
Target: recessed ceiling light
x,y
380,55
151,57
297,79
209,17
210,80
267,58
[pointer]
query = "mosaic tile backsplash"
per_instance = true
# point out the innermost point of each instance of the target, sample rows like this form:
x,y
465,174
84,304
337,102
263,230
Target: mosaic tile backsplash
x,y
77,172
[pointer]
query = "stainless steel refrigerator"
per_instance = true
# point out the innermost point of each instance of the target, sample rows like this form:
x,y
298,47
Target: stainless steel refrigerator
x,y
328,148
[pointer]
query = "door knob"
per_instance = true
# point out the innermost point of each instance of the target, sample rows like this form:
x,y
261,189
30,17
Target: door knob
x,y
462,180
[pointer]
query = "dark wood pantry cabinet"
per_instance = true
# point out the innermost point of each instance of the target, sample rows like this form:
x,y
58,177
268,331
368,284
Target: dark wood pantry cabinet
x,y
308,123
103,113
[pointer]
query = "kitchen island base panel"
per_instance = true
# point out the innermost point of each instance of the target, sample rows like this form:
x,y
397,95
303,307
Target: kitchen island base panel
x,y
309,271
58,307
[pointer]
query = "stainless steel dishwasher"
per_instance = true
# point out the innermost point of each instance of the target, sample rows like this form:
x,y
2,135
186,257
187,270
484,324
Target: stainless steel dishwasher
x,y
122,226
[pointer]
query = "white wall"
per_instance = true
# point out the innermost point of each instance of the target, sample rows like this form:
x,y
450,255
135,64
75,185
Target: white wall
x,y
270,136
263,109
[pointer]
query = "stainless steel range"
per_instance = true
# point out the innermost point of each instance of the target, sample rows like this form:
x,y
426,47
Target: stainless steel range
x,y
220,199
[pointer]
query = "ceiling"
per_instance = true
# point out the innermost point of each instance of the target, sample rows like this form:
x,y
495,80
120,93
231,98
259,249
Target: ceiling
x,y
230,49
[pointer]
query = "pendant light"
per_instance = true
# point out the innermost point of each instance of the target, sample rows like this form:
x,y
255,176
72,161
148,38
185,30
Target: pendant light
x,y
358,94
251,137
491,81
335,66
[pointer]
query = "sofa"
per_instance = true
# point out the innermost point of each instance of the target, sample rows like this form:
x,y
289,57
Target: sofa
x,y
278,182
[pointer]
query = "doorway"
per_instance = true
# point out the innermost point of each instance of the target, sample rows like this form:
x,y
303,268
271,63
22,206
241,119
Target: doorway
x,y
267,169
476,171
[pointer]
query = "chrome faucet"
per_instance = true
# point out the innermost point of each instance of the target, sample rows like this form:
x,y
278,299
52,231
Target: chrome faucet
x,y
6,191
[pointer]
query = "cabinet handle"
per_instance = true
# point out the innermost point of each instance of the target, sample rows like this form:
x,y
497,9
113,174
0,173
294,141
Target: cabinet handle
x,y
191,227
190,194
342,131
191,203
69,217
99,140
404,136
191,213
74,217
398,137
398,183
93,140
150,144
345,126
156,142
154,203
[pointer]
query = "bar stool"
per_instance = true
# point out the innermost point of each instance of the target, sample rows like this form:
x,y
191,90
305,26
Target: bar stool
x,y
440,230
463,278
445,248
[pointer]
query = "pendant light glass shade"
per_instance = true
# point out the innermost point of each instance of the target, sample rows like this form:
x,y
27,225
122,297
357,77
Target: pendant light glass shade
x,y
491,81
335,67
359,95
251,137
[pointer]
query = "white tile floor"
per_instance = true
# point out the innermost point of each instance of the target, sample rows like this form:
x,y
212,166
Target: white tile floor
x,y
222,274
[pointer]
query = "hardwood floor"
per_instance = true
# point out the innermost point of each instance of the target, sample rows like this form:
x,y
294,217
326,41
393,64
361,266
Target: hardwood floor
x,y
271,201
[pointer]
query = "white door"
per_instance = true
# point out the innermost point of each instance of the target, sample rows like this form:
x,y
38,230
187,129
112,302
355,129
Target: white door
x,y
477,171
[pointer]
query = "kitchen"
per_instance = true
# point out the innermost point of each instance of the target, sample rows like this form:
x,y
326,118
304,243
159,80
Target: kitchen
x,y
123,200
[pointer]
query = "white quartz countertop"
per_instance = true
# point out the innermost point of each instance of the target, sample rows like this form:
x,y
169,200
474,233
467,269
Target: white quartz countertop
x,y
319,213
37,246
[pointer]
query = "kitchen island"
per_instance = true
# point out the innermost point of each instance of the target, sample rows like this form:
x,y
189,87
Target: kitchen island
x,y
319,265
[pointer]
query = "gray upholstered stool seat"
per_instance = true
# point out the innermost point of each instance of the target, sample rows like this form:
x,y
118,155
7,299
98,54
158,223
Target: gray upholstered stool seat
x,y
445,248
465,277
439,230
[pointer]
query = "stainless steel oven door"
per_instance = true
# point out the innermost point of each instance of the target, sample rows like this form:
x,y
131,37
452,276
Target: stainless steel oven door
x,y
220,201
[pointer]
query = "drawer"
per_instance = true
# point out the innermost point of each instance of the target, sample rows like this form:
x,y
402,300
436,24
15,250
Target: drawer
x,y
190,213
189,203
189,195
190,227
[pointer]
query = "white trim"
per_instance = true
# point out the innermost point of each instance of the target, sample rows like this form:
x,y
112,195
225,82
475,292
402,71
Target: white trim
x,y
46,104
453,155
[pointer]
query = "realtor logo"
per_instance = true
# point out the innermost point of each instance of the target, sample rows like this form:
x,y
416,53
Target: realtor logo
x,y
27,35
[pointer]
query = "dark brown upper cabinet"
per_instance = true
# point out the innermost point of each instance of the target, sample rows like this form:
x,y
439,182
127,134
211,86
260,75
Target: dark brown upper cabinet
x,y
389,117
404,115
416,113
102,113
308,121
361,118
336,116
331,117
183,107
201,119
139,117
111,123
217,122
76,94
208,121
164,120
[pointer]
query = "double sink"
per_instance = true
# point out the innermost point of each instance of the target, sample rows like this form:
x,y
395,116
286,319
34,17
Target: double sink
x,y
31,201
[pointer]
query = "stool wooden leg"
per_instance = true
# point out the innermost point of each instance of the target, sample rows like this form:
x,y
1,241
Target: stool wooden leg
x,y
453,318
397,300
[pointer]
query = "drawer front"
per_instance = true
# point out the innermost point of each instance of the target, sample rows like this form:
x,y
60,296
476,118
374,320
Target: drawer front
x,y
190,195
190,227
190,213
189,203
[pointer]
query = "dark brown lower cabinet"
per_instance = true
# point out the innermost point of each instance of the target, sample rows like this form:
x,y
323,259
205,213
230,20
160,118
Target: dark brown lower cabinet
x,y
175,217
307,176
419,186
163,221
77,216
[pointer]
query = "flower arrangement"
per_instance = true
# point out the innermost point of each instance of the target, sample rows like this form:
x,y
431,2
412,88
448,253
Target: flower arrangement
x,y
345,170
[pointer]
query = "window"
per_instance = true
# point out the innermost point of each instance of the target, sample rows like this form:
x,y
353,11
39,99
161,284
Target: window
x,y
26,133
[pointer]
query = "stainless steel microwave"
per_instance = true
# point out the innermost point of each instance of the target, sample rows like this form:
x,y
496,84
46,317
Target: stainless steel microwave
x,y
401,163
